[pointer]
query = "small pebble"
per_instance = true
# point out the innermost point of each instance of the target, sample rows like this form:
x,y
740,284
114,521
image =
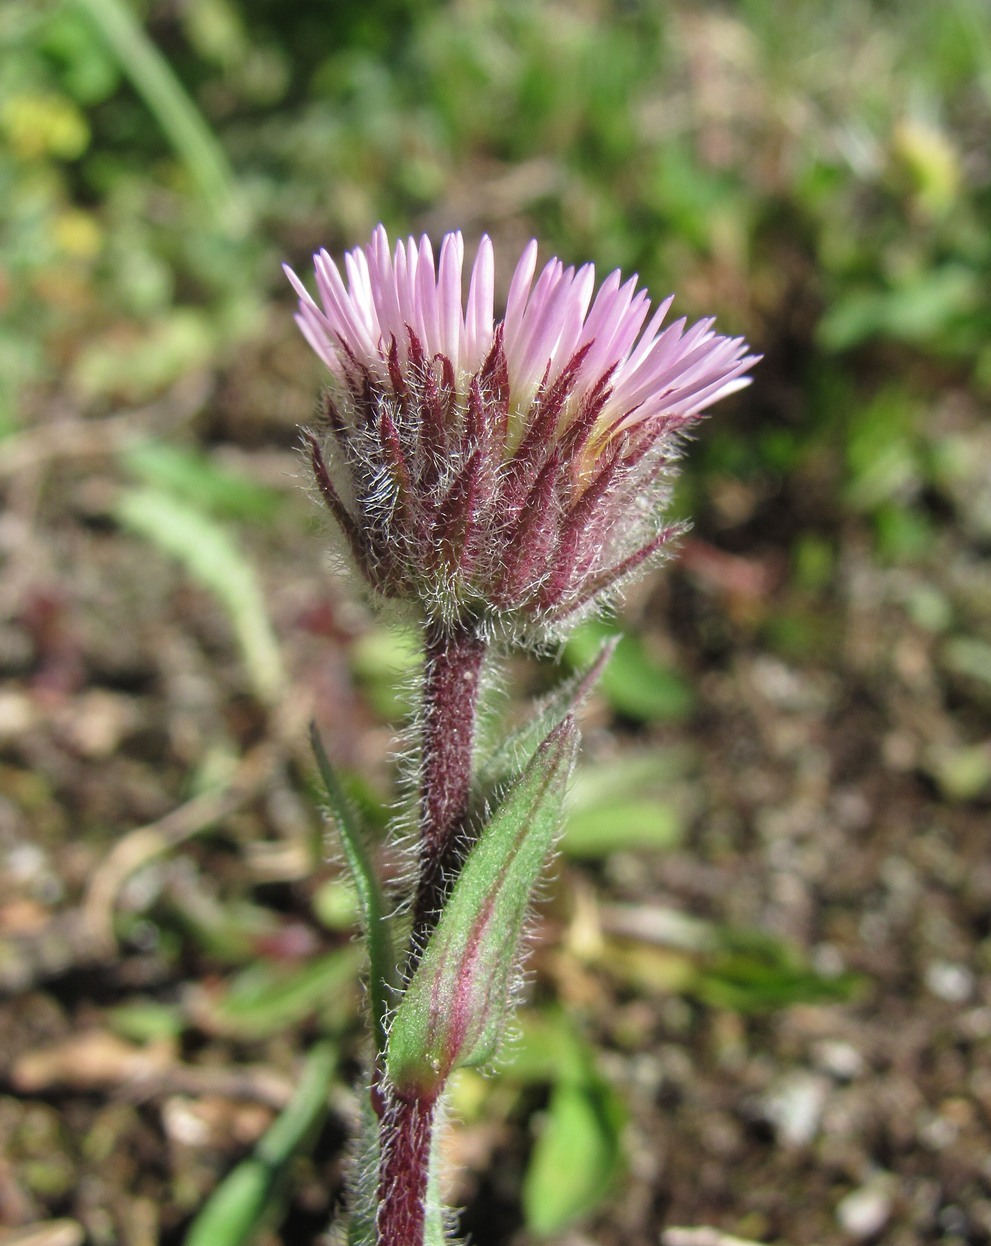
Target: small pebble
x,y
795,1105
864,1212
952,983
839,1059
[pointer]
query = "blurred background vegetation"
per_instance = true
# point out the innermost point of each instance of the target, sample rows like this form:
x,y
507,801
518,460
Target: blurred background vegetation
x,y
788,772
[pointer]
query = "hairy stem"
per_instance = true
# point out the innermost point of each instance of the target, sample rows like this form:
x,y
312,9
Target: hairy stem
x,y
452,673
450,701
407,1128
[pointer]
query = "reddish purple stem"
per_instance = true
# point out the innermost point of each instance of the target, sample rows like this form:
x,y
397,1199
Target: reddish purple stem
x,y
404,1171
450,698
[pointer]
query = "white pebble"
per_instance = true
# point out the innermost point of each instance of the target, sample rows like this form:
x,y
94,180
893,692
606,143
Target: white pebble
x,y
949,982
865,1212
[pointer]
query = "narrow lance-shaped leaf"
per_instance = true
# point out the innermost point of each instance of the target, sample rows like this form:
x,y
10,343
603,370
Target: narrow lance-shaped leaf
x,y
634,684
382,961
567,698
267,997
223,491
453,1010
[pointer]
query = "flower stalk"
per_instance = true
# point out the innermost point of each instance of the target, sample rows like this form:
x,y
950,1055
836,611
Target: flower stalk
x,y
404,1172
452,671
504,479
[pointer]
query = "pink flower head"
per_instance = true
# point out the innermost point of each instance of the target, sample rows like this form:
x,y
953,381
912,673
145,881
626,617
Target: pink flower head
x,y
509,473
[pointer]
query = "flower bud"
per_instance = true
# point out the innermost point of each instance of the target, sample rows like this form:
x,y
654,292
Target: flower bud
x,y
512,474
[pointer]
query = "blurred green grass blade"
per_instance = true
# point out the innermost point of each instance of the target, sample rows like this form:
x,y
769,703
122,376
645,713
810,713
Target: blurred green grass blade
x,y
166,98
191,473
246,1201
621,826
290,1130
749,971
918,310
226,930
963,772
210,555
976,29
633,775
381,956
268,998
240,1207
969,657
745,971
629,803
633,683
145,1020
746,983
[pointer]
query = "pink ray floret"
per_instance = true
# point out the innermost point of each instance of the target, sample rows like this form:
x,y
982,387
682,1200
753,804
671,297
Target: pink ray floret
x,y
386,295
508,476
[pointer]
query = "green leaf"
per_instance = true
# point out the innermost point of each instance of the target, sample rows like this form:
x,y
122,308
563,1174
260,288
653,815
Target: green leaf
x,y
918,309
227,930
628,803
578,1154
192,474
546,1047
629,775
268,998
239,1208
177,341
627,824
751,972
963,772
969,657
452,1012
503,763
210,555
669,952
246,1201
381,955
633,683
144,1020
